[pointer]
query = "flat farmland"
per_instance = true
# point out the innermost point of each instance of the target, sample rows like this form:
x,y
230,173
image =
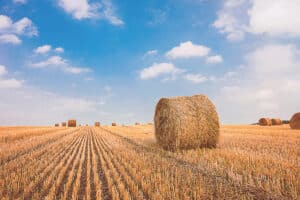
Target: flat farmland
x,y
124,162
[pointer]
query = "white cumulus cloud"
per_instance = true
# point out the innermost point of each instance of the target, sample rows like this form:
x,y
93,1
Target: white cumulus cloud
x,y
10,39
43,49
214,59
275,18
52,61
159,69
84,9
188,50
59,50
11,31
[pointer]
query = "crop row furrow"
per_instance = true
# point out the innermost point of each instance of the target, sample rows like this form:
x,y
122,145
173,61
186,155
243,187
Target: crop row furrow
x,y
14,181
49,184
45,177
42,145
133,186
58,188
112,190
97,184
73,192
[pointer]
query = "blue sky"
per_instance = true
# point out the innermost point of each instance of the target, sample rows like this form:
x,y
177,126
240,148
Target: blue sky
x,y
111,60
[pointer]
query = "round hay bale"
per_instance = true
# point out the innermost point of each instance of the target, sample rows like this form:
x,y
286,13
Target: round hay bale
x,y
295,121
56,125
137,123
285,121
113,124
97,124
265,122
63,124
186,123
72,123
276,121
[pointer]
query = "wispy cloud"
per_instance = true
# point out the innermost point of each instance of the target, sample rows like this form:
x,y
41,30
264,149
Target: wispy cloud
x,y
196,78
20,1
60,63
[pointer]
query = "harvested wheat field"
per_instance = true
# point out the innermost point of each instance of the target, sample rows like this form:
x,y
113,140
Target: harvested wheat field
x,y
124,162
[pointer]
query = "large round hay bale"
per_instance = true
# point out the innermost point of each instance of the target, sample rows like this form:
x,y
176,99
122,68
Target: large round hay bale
x,y
265,122
72,123
114,124
295,121
186,123
56,125
97,124
276,121
63,124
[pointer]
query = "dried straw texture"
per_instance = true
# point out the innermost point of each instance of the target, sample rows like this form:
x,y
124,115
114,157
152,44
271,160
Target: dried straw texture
x,y
114,124
56,125
295,121
63,124
186,123
265,122
72,123
276,121
97,124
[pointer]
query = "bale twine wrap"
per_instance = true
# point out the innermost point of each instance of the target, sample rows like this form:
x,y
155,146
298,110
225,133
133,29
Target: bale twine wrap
x,y
113,124
265,122
72,123
186,123
56,125
276,121
63,124
97,124
295,121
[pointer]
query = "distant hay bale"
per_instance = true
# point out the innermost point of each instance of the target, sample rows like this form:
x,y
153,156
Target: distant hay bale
x,y
113,124
72,123
265,122
295,121
149,123
63,124
97,124
56,125
186,123
276,121
285,121
137,123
